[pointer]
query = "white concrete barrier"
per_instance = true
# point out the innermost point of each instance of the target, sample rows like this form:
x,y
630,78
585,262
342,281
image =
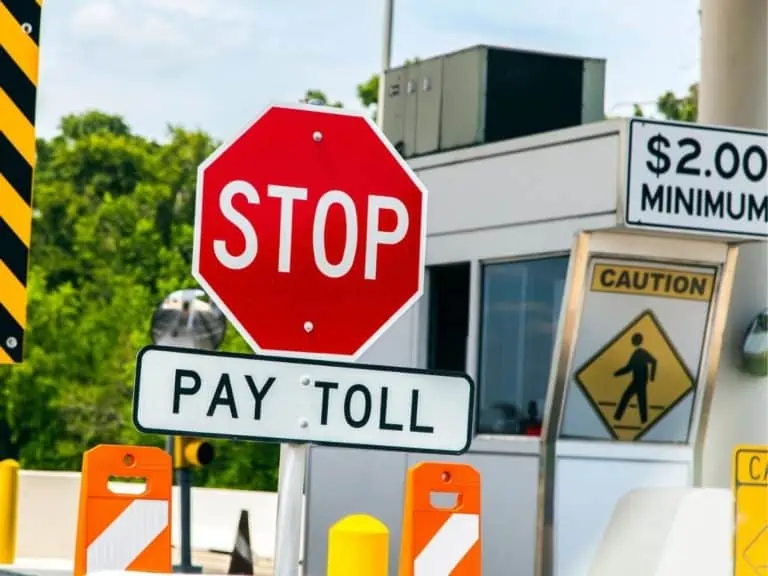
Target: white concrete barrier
x,y
48,505
38,567
48,508
668,532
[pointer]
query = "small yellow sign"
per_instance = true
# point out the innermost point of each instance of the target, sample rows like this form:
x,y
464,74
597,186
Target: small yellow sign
x,y
664,282
750,486
635,379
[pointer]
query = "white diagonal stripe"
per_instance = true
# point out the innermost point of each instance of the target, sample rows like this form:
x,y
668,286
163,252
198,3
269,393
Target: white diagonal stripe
x,y
446,549
128,535
242,547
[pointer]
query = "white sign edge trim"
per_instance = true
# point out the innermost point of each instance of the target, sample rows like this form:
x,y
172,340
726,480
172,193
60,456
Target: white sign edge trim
x,y
625,189
198,223
307,362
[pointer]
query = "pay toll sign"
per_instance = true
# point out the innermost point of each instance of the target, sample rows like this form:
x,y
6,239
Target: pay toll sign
x,y
750,486
189,392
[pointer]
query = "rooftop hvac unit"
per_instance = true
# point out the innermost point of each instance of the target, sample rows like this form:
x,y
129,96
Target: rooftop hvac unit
x,y
486,94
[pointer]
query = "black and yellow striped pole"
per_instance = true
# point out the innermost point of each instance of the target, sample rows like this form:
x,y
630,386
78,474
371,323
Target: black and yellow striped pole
x,y
19,60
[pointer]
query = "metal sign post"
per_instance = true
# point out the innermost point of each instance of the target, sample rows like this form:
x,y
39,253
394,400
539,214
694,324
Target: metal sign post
x,y
290,505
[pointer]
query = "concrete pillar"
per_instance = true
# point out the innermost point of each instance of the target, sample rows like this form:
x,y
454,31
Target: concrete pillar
x,y
734,63
734,92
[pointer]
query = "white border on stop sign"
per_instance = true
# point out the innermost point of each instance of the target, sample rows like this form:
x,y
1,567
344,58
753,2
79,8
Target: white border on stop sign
x,y
198,214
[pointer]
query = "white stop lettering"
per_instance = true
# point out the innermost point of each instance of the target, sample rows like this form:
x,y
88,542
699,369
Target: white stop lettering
x,y
374,235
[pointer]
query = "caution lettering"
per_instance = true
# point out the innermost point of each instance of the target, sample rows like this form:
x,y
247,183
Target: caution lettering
x,y
663,282
752,468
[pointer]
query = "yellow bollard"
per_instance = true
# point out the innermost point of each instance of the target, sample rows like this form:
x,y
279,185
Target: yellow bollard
x,y
358,545
9,504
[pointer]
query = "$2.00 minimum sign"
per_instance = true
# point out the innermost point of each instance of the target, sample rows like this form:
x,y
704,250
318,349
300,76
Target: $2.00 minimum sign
x,y
697,178
215,394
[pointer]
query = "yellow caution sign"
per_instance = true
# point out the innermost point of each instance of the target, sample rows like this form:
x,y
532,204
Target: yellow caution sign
x,y
750,486
19,39
664,282
635,379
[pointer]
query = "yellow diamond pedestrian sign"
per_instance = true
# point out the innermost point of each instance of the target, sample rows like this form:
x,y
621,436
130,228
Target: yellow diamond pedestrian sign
x,y
635,379
750,486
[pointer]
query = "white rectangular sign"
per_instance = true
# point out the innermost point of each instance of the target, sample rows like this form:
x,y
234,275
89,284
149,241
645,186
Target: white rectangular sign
x,y
212,394
694,178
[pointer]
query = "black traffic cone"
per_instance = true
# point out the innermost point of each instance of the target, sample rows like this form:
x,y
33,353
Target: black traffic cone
x,y
241,559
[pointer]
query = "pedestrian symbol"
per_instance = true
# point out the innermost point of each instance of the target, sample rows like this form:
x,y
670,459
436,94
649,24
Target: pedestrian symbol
x,y
635,379
639,365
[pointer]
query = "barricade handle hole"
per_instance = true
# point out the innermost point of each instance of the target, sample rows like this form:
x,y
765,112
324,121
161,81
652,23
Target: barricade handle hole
x,y
444,500
127,485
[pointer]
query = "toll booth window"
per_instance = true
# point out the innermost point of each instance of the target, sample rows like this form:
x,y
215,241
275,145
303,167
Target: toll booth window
x,y
448,316
520,309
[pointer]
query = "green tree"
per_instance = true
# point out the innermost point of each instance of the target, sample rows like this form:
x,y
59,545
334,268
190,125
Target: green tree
x,y
319,97
672,107
368,91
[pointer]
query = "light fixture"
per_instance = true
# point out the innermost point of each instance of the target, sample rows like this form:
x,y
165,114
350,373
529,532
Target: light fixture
x,y
754,347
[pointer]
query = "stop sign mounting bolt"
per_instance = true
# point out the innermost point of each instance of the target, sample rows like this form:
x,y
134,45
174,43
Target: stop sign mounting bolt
x,y
317,136
303,423
308,326
305,380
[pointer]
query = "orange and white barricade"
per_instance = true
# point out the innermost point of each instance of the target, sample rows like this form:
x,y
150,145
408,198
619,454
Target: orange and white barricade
x,y
440,541
117,531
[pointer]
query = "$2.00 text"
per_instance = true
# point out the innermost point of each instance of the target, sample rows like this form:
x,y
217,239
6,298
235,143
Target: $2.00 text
x,y
727,159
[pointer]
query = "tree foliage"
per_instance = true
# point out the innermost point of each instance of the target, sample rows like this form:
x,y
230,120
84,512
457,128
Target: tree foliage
x,y
672,107
319,97
112,236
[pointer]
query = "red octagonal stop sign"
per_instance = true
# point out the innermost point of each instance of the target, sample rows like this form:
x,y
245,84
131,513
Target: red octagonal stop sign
x,y
310,232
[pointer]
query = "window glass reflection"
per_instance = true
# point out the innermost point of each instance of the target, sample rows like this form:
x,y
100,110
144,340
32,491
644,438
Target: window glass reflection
x,y
520,309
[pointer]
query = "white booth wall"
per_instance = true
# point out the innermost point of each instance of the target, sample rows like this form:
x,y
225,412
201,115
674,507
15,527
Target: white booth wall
x,y
516,200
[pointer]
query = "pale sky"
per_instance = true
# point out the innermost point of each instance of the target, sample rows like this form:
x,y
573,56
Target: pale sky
x,y
213,64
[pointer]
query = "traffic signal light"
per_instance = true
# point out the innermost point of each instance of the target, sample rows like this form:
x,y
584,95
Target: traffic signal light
x,y
191,452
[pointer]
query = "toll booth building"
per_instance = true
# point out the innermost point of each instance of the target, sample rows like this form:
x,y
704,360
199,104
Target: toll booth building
x,y
526,204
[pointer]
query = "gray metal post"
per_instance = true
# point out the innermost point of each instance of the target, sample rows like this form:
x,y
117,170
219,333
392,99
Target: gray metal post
x,y
386,57
184,480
